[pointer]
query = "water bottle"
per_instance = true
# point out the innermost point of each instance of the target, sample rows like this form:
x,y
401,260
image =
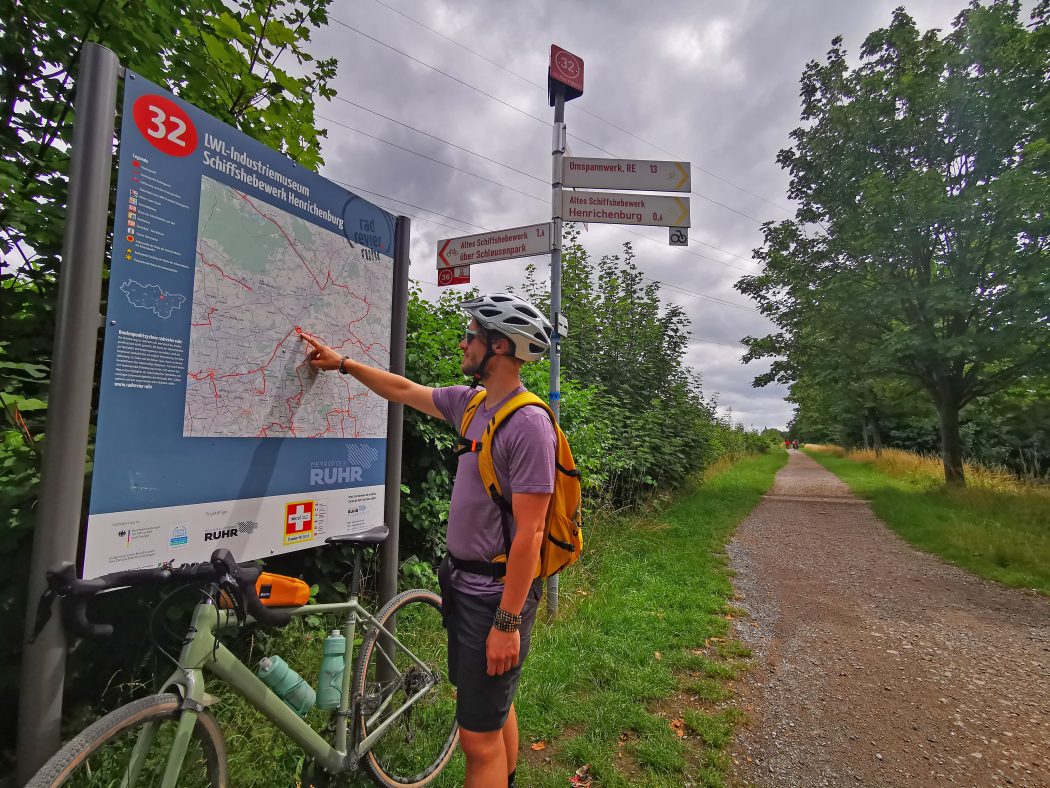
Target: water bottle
x,y
330,677
289,685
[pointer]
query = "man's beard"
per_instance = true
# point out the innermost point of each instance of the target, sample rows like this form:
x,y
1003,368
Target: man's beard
x,y
469,368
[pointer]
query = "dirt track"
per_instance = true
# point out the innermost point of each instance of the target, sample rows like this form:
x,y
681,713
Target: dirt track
x,y
876,664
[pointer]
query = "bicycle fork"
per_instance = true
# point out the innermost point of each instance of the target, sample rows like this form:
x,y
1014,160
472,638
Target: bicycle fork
x,y
187,721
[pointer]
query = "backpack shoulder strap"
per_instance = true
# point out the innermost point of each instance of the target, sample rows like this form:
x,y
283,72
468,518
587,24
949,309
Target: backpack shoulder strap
x,y
464,446
470,410
499,418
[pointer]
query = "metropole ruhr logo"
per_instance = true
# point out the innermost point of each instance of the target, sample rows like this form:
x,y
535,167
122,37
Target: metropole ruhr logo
x,y
298,522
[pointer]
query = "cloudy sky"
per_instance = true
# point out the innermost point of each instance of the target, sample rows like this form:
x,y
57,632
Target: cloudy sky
x,y
715,84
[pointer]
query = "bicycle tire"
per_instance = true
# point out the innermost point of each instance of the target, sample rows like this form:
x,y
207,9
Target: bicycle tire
x,y
413,750
95,755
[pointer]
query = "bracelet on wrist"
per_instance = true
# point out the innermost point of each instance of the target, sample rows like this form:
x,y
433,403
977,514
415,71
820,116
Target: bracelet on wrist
x,y
506,622
342,365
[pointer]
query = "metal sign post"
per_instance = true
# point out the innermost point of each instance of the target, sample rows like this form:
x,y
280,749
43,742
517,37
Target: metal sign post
x,y
388,550
564,83
69,405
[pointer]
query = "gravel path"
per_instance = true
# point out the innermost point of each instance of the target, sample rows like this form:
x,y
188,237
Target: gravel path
x,y
876,664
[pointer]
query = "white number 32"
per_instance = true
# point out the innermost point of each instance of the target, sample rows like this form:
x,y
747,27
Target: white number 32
x,y
159,130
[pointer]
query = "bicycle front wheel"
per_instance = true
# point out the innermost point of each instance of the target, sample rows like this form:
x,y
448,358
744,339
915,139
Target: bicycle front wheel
x,y
406,687
130,747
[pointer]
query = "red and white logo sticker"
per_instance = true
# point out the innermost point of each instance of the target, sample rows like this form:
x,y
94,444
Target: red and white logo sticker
x,y
298,522
165,124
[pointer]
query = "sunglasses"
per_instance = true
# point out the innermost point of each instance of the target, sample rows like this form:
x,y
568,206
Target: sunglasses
x,y
469,335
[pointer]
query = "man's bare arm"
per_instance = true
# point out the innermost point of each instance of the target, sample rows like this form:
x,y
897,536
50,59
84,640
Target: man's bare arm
x,y
386,384
530,515
503,649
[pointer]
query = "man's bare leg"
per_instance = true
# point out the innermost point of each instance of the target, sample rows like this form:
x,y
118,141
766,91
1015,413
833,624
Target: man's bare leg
x,y
510,740
486,758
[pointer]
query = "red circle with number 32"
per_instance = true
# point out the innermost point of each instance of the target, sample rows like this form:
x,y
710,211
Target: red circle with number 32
x,y
165,124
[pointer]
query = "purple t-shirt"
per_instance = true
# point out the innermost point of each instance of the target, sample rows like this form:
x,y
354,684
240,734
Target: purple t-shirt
x,y
523,455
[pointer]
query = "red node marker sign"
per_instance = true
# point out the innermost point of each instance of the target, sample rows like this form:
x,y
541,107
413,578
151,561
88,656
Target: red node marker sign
x,y
566,69
165,125
454,276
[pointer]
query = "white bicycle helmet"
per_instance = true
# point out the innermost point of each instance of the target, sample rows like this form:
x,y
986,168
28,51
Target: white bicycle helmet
x,y
515,318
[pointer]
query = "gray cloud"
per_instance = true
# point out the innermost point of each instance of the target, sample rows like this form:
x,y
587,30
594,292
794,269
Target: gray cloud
x,y
715,83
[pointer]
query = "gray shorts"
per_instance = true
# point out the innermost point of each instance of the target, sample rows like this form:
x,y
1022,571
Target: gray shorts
x,y
483,701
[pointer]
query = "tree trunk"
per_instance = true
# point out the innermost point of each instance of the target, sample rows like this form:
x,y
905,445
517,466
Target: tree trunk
x,y
951,440
864,431
876,436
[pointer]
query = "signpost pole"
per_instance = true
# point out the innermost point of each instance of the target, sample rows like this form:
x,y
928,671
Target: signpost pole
x,y
388,550
555,382
69,402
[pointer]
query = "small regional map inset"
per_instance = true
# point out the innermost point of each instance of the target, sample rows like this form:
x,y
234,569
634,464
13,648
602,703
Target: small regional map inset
x,y
152,297
261,273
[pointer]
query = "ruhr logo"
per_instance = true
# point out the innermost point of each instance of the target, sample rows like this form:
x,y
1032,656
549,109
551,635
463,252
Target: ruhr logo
x,y
298,522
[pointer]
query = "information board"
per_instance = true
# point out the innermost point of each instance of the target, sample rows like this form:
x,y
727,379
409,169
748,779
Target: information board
x,y
213,429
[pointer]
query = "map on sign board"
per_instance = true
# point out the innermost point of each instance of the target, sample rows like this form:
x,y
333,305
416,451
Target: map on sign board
x,y
261,273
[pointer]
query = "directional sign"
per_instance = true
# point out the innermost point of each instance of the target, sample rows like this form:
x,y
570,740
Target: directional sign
x,y
624,208
500,245
453,276
678,236
644,175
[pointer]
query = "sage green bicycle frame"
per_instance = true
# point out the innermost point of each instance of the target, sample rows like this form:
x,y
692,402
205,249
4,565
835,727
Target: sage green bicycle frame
x,y
202,652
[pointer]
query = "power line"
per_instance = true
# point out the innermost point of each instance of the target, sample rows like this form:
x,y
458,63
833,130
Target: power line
x,y
431,158
462,46
696,294
439,139
723,344
686,250
523,112
411,205
438,70
580,108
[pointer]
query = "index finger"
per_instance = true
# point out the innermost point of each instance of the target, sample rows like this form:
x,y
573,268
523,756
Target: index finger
x,y
318,344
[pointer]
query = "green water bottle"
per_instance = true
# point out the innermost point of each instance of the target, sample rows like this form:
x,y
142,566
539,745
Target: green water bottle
x,y
330,678
287,684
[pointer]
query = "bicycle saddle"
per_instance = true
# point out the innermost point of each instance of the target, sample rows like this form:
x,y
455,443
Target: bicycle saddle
x,y
369,536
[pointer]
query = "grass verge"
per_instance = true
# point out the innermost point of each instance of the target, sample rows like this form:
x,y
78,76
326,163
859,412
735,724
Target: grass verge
x,y
997,531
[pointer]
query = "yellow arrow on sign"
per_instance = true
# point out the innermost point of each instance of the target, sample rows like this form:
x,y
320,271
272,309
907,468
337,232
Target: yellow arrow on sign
x,y
685,175
683,206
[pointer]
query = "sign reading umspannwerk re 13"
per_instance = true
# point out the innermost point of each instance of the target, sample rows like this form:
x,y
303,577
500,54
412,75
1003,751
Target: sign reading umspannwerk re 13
x,y
213,430
624,208
640,174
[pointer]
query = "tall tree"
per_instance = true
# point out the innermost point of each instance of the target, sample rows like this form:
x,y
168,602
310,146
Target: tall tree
x,y
919,247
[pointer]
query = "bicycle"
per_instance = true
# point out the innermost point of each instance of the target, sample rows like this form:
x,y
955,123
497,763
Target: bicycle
x,y
396,712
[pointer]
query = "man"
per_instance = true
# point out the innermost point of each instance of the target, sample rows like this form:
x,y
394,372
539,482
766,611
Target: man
x,y
489,620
